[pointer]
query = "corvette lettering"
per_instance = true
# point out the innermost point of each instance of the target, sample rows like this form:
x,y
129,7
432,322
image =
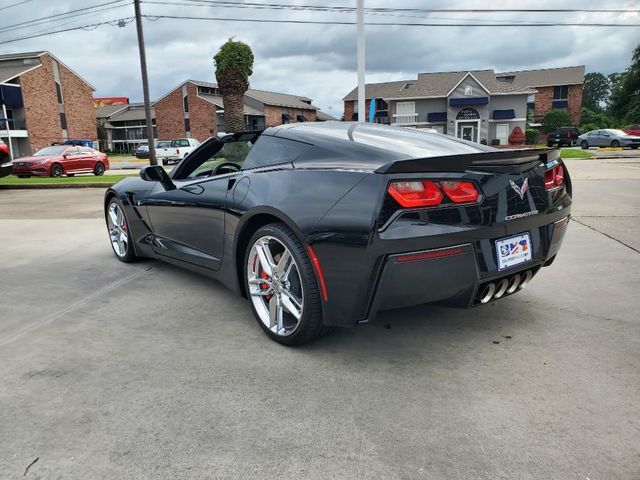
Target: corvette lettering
x,y
521,215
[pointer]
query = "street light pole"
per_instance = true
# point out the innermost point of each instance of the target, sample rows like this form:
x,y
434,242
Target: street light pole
x,y
361,98
145,84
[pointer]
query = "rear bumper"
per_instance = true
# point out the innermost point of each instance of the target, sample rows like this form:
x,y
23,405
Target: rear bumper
x,y
457,275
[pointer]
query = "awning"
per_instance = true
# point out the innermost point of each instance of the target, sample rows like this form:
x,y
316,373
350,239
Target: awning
x,y
381,114
286,117
437,117
560,104
11,96
504,114
300,118
469,101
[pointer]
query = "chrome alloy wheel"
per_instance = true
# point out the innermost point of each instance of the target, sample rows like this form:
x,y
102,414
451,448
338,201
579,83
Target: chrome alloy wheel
x,y
118,231
275,286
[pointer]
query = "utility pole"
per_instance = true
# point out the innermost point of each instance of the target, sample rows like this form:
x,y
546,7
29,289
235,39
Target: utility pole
x,y
361,99
145,84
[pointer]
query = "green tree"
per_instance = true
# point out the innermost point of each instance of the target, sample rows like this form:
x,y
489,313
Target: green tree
x,y
599,119
234,66
595,91
625,94
555,119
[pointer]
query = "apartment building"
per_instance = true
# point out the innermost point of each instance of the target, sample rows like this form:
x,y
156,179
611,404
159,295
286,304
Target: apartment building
x,y
42,101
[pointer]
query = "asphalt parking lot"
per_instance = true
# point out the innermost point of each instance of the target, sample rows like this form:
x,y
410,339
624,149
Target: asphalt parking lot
x,y
113,371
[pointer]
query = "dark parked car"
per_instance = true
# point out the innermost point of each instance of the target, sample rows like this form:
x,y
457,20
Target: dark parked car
x,y
563,136
83,142
61,160
6,167
322,225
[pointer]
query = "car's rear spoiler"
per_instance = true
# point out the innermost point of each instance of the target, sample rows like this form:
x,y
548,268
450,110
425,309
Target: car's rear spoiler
x,y
500,160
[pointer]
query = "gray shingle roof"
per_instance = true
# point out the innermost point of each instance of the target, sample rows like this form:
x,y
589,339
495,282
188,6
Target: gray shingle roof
x,y
218,102
547,77
439,84
9,72
107,110
281,99
133,111
325,117
21,56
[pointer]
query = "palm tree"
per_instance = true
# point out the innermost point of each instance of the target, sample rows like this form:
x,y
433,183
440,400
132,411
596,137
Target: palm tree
x,y
234,65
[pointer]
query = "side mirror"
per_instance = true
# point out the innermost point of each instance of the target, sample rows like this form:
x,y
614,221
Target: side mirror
x,y
155,173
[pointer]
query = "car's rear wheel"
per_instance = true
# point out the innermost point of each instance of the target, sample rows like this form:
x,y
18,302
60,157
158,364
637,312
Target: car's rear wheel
x,y
584,145
282,287
98,170
56,170
615,144
118,229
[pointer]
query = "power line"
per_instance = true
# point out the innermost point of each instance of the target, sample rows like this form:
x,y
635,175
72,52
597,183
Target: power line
x,y
72,13
14,4
403,24
227,3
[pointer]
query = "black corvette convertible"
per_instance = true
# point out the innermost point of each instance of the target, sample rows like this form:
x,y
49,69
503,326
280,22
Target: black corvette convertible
x,y
323,225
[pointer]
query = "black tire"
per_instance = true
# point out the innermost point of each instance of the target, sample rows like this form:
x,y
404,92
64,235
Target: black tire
x,y
311,325
164,162
130,255
615,144
56,170
633,147
98,170
70,174
549,144
584,145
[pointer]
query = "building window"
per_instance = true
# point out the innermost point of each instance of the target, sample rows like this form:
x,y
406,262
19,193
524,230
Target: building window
x,y
59,93
561,92
187,125
208,91
63,121
185,104
405,112
468,90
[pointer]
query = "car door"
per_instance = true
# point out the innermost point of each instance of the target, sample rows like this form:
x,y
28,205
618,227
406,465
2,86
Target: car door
x,y
88,158
188,221
71,159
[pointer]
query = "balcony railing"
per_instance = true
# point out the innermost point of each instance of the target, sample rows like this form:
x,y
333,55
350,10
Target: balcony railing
x,y
13,124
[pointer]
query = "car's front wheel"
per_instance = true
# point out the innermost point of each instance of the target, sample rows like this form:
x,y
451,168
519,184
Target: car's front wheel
x,y
98,170
281,285
584,145
56,170
118,228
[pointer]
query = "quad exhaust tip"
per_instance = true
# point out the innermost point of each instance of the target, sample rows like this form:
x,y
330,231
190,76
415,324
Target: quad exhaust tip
x,y
506,286
487,293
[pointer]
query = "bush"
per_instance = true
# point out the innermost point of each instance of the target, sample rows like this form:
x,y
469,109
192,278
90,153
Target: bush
x,y
596,119
495,141
555,119
532,136
587,127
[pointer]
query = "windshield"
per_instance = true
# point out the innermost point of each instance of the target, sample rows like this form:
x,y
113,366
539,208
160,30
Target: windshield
x,y
49,151
615,131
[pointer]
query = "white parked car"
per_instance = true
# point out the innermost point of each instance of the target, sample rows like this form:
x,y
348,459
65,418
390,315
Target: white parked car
x,y
178,149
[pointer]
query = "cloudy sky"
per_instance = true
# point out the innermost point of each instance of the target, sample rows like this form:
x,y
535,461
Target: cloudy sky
x,y
318,61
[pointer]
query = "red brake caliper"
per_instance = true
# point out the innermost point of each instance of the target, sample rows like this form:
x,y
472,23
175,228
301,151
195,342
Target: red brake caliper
x,y
265,286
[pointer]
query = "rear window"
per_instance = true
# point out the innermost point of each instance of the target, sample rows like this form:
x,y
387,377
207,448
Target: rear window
x,y
180,143
273,151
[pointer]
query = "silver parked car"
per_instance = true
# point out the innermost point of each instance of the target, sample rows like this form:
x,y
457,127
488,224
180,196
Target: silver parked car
x,y
608,137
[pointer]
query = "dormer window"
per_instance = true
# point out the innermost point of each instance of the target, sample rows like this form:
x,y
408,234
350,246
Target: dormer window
x,y
407,86
468,90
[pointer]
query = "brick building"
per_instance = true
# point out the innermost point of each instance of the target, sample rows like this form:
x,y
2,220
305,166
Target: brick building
x,y
477,105
43,101
196,109
122,127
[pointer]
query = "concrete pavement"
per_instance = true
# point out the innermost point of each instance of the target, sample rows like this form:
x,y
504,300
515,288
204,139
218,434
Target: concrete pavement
x,y
110,370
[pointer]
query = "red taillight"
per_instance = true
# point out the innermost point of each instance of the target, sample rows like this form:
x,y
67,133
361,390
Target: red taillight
x,y
554,178
460,192
423,193
427,193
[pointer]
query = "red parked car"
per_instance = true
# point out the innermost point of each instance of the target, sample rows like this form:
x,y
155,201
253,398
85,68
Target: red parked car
x,y
61,160
633,130
5,160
